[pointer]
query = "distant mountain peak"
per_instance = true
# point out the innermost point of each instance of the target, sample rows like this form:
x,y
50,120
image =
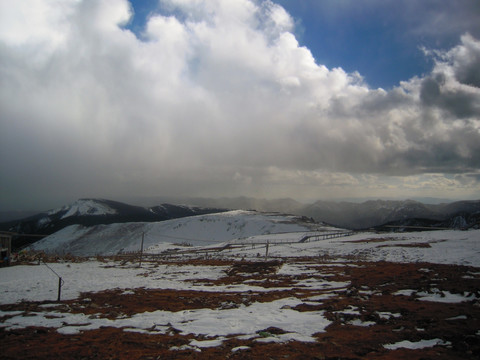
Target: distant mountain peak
x,y
91,212
85,207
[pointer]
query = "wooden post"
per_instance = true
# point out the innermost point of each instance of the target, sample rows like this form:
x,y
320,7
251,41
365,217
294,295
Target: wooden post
x,y
141,250
59,288
266,252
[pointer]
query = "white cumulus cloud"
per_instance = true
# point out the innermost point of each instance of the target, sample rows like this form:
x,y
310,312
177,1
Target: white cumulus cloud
x,y
213,95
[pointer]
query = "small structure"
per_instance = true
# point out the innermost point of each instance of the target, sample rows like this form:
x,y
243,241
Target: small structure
x,y
5,248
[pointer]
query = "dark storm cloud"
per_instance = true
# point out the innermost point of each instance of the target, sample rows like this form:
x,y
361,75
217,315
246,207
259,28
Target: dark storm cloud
x,y
460,103
466,62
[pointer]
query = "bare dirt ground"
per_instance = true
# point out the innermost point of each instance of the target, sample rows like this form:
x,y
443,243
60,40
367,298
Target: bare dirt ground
x,y
379,316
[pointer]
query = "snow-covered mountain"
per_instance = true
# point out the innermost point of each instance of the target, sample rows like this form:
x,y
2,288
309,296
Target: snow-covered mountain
x,y
460,220
194,230
91,212
85,207
369,213
352,215
378,212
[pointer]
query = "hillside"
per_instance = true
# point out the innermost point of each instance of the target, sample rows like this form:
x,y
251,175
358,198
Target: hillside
x,y
356,215
374,213
92,212
194,230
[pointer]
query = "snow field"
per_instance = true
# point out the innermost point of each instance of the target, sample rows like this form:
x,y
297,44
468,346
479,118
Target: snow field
x,y
38,283
314,278
214,323
441,247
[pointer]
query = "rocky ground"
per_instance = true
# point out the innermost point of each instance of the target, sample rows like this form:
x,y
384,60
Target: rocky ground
x,y
385,311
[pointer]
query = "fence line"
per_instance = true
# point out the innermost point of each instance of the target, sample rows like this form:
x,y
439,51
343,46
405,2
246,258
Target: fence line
x,y
315,236
333,235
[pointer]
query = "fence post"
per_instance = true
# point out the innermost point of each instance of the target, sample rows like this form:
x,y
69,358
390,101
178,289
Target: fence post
x,y
266,251
59,288
141,250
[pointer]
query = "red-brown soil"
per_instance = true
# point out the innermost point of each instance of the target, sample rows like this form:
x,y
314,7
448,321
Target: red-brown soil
x,y
371,293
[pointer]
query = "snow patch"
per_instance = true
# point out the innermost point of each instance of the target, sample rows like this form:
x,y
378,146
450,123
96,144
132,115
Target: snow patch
x,y
416,345
240,348
358,322
406,292
459,317
85,207
387,315
437,295
207,343
43,221
445,297
212,322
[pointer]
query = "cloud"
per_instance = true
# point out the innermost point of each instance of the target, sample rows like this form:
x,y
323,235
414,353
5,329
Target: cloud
x,y
215,98
465,60
454,82
434,18
425,20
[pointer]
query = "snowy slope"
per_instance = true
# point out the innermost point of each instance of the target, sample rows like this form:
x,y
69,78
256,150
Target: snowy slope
x,y
440,247
194,230
444,247
90,212
85,207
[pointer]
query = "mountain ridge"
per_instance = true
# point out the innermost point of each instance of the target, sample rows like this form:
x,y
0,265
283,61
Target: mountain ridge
x,y
356,216
195,230
352,215
91,212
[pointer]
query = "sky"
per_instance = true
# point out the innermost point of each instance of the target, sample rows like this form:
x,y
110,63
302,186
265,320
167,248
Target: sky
x,y
304,99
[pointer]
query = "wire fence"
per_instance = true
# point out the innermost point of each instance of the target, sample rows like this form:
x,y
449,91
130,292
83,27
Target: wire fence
x,y
239,244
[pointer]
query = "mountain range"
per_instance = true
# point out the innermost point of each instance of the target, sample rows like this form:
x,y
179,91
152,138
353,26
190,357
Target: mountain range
x,y
379,212
357,216
369,214
91,212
